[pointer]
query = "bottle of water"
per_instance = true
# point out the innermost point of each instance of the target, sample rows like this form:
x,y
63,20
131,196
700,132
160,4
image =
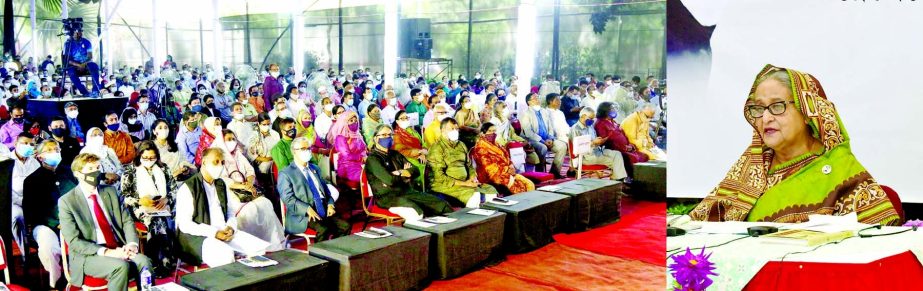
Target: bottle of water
x,y
146,279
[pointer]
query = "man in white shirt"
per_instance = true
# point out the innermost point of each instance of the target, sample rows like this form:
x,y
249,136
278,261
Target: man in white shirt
x,y
561,128
324,119
98,229
240,126
388,113
24,163
145,116
204,219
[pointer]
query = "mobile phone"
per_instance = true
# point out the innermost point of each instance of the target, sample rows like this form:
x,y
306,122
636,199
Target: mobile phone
x,y
501,200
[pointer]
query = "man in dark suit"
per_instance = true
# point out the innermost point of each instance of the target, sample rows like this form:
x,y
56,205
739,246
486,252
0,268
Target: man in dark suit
x,y
307,200
98,229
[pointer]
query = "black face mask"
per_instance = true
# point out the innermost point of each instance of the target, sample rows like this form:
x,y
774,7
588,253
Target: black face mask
x,y
290,133
59,132
92,178
254,94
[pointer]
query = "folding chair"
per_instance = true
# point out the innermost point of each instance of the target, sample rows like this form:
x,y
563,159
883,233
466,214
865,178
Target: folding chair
x,y
368,204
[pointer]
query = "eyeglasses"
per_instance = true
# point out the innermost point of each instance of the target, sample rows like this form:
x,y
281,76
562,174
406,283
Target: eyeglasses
x,y
384,135
777,108
300,149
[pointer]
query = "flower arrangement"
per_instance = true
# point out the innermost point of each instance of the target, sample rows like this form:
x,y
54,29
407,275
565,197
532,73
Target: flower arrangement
x,y
914,223
692,271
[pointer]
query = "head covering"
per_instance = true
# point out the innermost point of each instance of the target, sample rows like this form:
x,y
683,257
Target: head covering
x,y
830,182
210,128
341,126
307,132
98,150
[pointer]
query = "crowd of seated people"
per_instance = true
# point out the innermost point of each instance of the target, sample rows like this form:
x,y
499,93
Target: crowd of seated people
x,y
217,156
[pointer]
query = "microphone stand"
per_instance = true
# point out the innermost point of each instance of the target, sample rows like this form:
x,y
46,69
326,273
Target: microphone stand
x,y
64,66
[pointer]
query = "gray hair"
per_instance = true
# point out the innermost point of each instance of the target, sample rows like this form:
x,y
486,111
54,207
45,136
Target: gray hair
x,y
779,75
588,111
298,140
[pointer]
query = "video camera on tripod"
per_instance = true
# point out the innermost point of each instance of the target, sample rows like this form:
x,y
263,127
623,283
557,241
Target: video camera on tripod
x,y
72,25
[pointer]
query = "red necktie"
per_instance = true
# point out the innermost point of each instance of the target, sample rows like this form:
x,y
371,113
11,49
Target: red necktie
x,y
103,224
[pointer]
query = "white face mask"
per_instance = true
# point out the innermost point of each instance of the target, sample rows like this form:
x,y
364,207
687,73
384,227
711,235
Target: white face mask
x,y
274,74
142,106
162,133
304,156
72,114
348,102
238,116
452,135
403,123
94,141
147,164
232,145
328,107
264,128
132,120
469,105
46,93
214,171
536,107
392,102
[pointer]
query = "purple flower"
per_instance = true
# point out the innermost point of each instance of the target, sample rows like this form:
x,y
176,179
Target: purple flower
x,y
915,222
691,271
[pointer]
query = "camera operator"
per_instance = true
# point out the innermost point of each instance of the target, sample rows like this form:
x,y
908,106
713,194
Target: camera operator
x,y
79,54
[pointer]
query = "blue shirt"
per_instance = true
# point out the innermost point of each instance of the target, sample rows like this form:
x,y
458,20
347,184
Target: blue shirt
x,y
79,50
568,104
75,129
542,131
188,142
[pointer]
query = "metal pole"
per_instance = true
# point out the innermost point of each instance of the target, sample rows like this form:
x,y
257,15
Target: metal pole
x,y
468,61
166,38
108,46
34,32
555,53
247,58
201,44
99,34
340,36
155,52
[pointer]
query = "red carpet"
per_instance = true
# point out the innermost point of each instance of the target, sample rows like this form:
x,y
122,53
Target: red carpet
x,y
639,235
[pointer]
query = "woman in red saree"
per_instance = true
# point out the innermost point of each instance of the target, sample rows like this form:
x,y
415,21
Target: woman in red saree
x,y
211,129
493,164
615,138
409,143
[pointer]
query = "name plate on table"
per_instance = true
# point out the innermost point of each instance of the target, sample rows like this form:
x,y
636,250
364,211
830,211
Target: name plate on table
x,y
518,157
582,144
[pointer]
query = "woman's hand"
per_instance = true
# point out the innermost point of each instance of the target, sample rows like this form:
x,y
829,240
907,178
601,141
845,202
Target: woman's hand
x,y
161,203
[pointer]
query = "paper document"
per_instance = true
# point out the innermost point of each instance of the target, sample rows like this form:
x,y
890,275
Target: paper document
x,y
419,223
829,223
481,211
248,244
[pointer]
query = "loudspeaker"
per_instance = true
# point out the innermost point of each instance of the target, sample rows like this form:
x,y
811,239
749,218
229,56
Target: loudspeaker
x,y
414,40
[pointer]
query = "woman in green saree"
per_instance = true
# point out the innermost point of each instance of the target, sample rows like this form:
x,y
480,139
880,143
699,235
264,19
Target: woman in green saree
x,y
799,161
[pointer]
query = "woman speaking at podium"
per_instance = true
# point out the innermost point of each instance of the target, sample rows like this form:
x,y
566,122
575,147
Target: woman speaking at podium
x,y
798,163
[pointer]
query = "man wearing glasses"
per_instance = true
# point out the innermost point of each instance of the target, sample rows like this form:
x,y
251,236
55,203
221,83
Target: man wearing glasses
x,y
308,200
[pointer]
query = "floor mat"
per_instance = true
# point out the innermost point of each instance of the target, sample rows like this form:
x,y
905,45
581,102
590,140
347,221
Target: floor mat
x,y
639,235
487,280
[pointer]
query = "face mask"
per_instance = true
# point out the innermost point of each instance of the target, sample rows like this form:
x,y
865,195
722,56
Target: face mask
x,y
392,102
589,122
147,163
613,114
469,105
354,126
142,106
386,142
210,105
255,94
452,135
274,74
328,107
59,132
403,123
197,108
72,114
18,120
94,141
375,114
163,133
492,137
232,145
25,151
306,123
52,159
179,87
238,116
304,156
132,120
348,102
91,178
215,171
290,133
264,128
33,131
536,107
302,89
113,127
46,93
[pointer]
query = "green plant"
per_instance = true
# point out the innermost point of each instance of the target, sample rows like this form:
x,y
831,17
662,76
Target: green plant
x,y
680,208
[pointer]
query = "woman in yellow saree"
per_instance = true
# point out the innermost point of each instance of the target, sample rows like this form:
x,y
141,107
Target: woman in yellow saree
x,y
799,161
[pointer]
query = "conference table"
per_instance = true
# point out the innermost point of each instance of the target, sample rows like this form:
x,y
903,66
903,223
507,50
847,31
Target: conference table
x,y
295,271
889,262
465,244
91,109
593,201
396,262
531,222
650,180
